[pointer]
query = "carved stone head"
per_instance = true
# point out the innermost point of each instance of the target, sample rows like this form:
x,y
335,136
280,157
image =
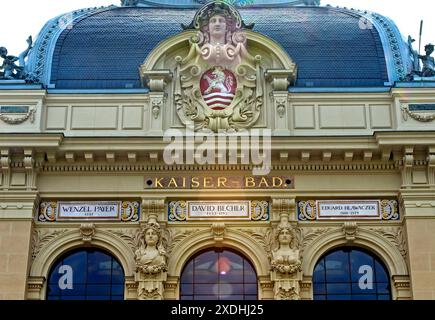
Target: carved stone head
x,y
285,235
217,22
152,234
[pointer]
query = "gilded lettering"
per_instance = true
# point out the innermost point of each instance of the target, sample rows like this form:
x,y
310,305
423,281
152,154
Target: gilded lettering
x,y
249,182
158,183
208,183
195,182
263,182
172,183
277,182
222,182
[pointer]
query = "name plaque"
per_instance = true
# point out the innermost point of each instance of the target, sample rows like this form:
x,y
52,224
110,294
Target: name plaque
x,y
50,211
227,210
385,209
348,209
97,210
255,210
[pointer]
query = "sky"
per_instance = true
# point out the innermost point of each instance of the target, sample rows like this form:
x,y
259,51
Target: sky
x,y
27,17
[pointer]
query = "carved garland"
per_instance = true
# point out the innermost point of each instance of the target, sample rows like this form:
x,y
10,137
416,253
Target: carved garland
x,y
17,120
421,117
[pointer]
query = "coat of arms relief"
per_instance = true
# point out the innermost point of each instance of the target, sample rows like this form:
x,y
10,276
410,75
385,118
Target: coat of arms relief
x,y
218,85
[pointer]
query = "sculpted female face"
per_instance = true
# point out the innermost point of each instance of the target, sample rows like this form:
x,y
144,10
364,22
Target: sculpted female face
x,y
217,26
151,237
285,236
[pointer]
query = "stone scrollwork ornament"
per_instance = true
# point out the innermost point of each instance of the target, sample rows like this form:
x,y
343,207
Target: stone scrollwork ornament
x,y
151,263
286,265
218,85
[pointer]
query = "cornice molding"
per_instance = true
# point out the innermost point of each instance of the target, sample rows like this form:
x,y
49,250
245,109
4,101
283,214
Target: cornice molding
x,y
405,138
127,167
31,140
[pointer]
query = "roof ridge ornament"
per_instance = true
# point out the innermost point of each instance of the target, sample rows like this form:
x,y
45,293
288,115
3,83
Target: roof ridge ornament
x,y
217,7
236,3
129,3
427,72
9,70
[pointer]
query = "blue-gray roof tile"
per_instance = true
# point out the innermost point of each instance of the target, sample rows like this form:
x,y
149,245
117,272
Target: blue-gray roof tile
x,y
105,49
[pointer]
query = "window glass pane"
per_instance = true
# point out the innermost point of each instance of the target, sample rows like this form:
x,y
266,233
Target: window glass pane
x,y
229,289
117,289
117,273
362,288
319,272
95,276
77,261
337,267
381,273
340,266
186,289
319,288
77,290
223,275
249,275
233,297
73,298
187,276
55,276
383,288
231,276
338,288
206,261
98,289
98,298
339,297
360,263
99,268
364,297
205,297
319,297
235,259
206,289
250,288
206,270
53,289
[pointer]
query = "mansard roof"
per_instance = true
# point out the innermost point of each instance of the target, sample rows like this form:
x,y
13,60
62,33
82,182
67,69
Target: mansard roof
x,y
102,48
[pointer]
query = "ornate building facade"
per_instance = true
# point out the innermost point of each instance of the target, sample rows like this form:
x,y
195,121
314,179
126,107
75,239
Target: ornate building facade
x,y
207,150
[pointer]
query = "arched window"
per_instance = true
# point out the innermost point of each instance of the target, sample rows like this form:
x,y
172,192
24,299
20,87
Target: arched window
x,y
351,274
218,275
86,274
